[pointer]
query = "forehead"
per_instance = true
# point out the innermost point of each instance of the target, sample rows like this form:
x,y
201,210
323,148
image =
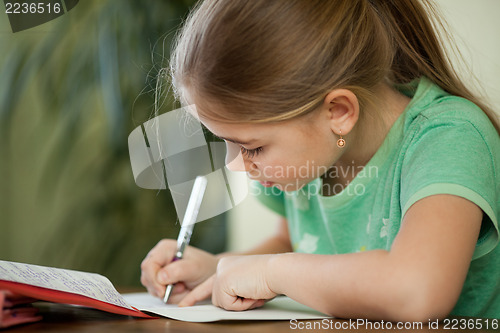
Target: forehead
x,y
244,132
259,133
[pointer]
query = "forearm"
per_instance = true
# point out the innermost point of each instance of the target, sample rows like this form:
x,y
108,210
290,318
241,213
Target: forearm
x,y
358,285
272,245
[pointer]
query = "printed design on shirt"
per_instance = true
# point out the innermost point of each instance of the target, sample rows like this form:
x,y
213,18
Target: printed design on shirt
x,y
308,243
383,230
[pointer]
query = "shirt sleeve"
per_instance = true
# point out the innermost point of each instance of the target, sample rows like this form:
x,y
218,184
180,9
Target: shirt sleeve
x,y
455,157
271,197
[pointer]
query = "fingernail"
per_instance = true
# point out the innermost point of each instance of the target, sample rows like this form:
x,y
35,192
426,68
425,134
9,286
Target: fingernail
x,y
163,277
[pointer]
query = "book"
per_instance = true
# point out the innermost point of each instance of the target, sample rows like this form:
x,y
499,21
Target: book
x,y
96,291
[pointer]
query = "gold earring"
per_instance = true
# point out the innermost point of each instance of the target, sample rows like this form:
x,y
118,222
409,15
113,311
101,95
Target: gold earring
x,y
340,142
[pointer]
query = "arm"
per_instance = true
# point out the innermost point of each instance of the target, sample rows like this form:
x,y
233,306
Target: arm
x,y
421,277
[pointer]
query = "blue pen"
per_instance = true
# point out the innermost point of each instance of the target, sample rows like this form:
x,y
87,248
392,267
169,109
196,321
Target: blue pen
x,y
192,210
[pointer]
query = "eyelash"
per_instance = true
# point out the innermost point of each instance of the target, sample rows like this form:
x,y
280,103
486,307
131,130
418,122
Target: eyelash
x,y
250,153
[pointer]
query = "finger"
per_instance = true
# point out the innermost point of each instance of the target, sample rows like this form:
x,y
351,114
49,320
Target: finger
x,y
178,292
148,280
156,292
175,299
177,273
258,303
200,293
180,270
179,288
234,303
163,252
158,257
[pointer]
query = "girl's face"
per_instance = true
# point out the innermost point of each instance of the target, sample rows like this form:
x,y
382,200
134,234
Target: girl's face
x,y
287,154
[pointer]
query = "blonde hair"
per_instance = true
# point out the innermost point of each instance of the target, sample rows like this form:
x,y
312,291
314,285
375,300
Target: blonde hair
x,y
263,61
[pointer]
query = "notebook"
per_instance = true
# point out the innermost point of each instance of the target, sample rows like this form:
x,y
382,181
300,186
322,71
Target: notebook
x,y
96,291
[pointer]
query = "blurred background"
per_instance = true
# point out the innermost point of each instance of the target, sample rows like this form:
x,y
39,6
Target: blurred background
x,y
72,89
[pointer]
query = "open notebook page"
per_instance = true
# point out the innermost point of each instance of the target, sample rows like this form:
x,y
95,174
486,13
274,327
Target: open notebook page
x,y
96,291
280,308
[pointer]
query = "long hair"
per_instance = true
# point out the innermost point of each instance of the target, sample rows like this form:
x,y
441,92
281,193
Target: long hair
x,y
264,61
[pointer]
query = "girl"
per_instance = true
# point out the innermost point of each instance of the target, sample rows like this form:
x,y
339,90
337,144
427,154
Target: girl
x,y
385,168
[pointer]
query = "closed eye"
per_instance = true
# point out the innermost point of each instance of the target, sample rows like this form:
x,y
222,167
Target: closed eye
x,y
250,153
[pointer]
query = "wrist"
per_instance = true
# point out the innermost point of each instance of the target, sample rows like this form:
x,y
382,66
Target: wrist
x,y
275,272
226,254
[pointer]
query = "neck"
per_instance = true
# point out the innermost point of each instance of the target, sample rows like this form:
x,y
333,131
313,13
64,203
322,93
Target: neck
x,y
367,136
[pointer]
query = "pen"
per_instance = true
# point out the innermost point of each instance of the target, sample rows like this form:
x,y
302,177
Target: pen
x,y
193,207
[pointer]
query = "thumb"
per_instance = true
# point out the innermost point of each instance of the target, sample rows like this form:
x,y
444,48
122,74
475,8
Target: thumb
x,y
199,293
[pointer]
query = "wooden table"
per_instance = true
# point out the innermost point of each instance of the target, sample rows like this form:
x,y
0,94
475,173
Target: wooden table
x,y
67,318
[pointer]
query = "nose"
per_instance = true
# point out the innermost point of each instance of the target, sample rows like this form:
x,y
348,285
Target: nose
x,y
234,158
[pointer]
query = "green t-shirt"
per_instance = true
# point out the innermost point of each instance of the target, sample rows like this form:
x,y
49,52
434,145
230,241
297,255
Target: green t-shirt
x,y
441,144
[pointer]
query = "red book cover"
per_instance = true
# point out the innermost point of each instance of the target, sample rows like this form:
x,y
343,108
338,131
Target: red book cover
x,y
64,286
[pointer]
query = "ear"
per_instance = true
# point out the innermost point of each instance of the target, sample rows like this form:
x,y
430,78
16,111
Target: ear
x,y
343,110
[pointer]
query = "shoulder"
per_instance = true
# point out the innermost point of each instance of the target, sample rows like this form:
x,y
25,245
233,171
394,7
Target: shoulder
x,y
445,117
451,147
453,111
451,133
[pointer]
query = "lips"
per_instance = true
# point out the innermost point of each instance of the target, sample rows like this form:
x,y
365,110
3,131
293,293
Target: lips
x,y
266,183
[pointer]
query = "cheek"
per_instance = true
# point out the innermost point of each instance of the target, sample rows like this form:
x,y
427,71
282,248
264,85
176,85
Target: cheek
x,y
271,168
314,162
284,169
321,149
307,157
